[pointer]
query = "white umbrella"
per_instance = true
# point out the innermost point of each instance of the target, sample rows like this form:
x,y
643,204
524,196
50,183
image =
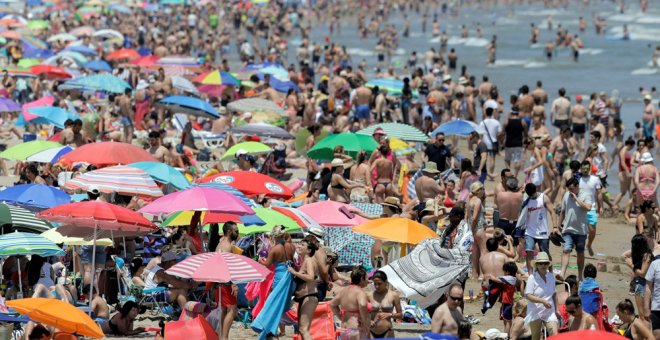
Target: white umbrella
x,y
184,85
108,34
62,37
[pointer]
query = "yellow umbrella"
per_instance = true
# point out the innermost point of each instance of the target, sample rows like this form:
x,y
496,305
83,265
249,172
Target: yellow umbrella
x,y
396,229
400,147
56,237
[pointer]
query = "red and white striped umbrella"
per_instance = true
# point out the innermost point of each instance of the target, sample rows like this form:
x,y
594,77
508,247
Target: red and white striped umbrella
x,y
300,217
124,180
219,267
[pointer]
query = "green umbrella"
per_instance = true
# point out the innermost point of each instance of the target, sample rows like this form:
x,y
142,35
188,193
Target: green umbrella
x,y
251,148
21,219
38,24
272,219
21,152
352,143
27,62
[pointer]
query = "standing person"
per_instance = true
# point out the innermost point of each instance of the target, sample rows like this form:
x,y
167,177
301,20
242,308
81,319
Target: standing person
x,y
559,113
509,202
579,319
574,225
480,156
476,219
515,132
652,297
306,294
362,105
625,174
648,117
350,307
385,307
592,186
635,328
647,178
540,292
492,130
438,152
457,235
534,220
449,315
229,291
578,119
639,258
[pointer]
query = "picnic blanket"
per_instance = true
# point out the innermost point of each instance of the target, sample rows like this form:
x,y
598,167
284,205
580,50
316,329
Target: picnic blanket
x,y
425,273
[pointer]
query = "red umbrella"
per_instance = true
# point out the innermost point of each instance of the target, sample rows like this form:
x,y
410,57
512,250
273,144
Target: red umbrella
x,y
124,53
107,153
147,60
52,72
211,217
201,77
197,328
586,335
251,183
212,90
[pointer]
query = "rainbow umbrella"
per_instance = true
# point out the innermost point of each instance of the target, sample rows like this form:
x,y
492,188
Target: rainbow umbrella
x,y
27,62
218,78
88,12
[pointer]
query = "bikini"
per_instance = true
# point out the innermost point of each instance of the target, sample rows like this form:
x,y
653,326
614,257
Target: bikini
x,y
628,333
376,307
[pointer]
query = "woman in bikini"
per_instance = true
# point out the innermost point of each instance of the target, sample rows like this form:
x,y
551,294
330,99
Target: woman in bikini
x,y
338,184
384,302
305,278
646,178
351,307
122,322
647,224
634,328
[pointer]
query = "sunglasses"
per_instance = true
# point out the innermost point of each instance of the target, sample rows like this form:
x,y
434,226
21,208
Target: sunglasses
x,y
543,264
457,299
441,140
573,311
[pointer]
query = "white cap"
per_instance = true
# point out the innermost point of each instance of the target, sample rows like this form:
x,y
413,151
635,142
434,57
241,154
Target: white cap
x,y
648,96
446,77
646,157
462,81
240,152
316,232
490,103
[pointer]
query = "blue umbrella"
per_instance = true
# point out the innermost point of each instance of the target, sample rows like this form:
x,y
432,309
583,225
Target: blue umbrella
x,y
280,85
82,49
50,115
34,195
97,82
163,173
50,155
97,65
36,53
190,105
247,219
457,127
120,8
259,66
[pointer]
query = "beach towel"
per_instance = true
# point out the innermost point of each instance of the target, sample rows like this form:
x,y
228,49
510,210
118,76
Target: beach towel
x,y
277,303
495,291
425,273
259,290
141,111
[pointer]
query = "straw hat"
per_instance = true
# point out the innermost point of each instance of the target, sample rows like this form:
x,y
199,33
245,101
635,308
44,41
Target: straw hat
x,y
476,186
392,202
542,257
429,206
337,162
348,163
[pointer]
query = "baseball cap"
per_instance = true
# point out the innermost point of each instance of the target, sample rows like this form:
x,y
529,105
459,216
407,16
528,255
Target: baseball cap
x,y
648,96
93,189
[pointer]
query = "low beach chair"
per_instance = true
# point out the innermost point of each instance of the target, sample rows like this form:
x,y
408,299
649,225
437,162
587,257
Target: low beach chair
x,y
208,139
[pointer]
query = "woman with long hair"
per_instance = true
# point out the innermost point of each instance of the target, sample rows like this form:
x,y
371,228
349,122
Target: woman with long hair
x,y
338,184
122,322
305,277
468,176
534,173
385,307
639,258
360,173
647,223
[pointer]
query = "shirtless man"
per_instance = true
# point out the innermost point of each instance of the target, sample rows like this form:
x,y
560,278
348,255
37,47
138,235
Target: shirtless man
x,y
561,150
71,134
578,118
229,291
362,108
484,90
648,117
426,187
381,104
492,262
267,91
539,92
155,148
449,314
525,104
559,113
508,203
128,114
579,319
322,264
99,306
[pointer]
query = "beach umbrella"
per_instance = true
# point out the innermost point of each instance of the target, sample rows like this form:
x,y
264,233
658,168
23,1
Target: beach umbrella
x,y
87,12
396,229
163,173
21,219
255,105
51,72
58,238
35,53
276,71
8,105
82,31
123,54
120,8
331,213
217,78
59,314
184,218
124,180
587,334
211,90
98,65
97,82
219,267
82,49
11,35
48,115
351,248
28,62
197,328
38,24
179,60
22,151
50,155
107,153
352,143
19,72
397,130
198,199
301,140
400,147
393,86
190,105
251,148
217,185
271,218
18,243
261,129
300,217
280,85
144,61
184,85
34,196
458,127
251,183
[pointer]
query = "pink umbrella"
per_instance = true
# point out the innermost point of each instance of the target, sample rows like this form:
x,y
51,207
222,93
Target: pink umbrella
x,y
297,215
198,199
333,214
45,101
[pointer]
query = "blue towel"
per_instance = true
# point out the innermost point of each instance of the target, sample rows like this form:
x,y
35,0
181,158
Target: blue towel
x,y
277,303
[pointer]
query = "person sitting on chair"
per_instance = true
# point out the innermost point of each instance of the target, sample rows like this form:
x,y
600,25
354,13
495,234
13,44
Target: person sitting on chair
x,y
177,288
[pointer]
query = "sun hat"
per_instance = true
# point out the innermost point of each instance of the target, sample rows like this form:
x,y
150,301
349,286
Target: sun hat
x,y
648,96
348,163
446,77
476,186
392,202
542,257
316,232
462,80
646,158
431,168
490,103
167,256
337,162
494,334
429,205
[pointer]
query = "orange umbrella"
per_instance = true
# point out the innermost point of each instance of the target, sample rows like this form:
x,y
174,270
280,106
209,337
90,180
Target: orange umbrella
x,y
396,229
11,35
59,314
124,53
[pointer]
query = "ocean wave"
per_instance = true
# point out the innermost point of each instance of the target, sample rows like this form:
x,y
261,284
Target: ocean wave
x,y
644,71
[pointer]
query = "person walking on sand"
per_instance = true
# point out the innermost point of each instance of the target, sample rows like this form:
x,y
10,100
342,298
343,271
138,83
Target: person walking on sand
x,y
574,224
592,185
536,211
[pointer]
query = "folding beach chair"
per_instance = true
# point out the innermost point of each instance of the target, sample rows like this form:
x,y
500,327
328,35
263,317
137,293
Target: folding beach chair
x,y
144,297
208,139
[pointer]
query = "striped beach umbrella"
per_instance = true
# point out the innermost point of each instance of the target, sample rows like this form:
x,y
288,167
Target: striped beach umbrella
x,y
401,131
231,190
21,219
124,180
219,267
18,243
217,78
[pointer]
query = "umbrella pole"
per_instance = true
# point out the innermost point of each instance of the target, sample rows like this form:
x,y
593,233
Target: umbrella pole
x,y
20,282
220,321
91,284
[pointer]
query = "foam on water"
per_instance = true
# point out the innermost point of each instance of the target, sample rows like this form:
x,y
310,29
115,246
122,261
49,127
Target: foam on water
x,y
644,71
506,21
469,42
623,17
648,20
399,51
435,40
590,51
542,12
508,62
360,52
535,64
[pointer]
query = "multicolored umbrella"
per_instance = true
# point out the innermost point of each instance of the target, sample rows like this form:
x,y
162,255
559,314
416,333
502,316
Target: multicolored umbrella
x,y
38,24
183,218
83,31
190,105
21,219
198,199
11,35
28,62
262,129
163,173
217,185
97,82
59,314
88,12
401,131
22,151
251,183
255,105
250,148
34,196
299,216
18,243
393,86
50,155
106,153
217,78
121,179
352,248
272,219
352,143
